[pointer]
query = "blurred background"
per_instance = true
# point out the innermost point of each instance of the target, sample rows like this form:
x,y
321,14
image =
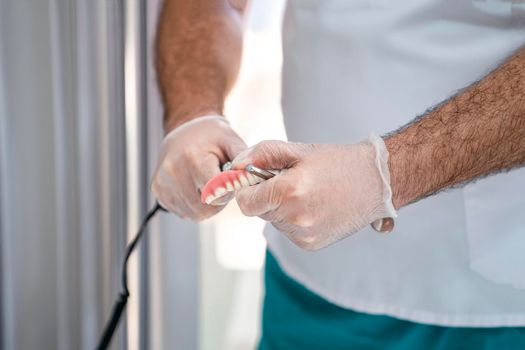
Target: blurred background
x,y
80,128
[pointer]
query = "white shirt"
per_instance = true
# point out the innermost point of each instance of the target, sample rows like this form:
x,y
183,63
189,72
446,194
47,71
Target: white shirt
x,y
352,67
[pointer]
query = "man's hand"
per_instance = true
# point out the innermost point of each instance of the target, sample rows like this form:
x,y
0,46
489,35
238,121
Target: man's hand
x,y
191,155
324,193
198,53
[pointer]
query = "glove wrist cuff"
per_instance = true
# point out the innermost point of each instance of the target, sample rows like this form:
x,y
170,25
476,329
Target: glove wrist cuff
x,y
196,121
381,163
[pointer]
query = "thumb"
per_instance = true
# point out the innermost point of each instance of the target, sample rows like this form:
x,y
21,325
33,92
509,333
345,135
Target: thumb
x,y
268,155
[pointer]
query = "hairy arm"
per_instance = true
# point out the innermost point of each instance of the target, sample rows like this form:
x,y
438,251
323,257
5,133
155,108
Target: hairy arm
x,y
198,51
477,132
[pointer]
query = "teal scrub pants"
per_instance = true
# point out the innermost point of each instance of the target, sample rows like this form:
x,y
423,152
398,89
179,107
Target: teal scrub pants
x,y
296,318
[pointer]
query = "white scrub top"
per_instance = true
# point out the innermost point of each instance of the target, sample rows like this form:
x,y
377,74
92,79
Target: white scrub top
x,y
356,66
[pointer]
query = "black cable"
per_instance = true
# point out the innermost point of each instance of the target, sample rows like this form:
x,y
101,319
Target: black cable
x,y
122,300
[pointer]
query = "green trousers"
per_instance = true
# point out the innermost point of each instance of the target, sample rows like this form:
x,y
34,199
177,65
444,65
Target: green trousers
x,y
296,318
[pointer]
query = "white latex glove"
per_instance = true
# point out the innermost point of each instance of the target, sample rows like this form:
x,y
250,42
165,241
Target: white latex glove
x,y
325,192
192,154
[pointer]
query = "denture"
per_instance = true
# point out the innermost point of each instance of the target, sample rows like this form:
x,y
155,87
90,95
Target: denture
x,y
225,182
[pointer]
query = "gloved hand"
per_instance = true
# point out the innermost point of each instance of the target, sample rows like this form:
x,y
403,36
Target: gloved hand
x,y
192,154
325,191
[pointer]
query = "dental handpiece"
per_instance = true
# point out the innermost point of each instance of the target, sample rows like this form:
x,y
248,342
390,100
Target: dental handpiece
x,y
383,225
252,169
262,173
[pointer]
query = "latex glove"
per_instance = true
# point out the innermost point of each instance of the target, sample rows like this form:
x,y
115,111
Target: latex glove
x,y
192,154
325,192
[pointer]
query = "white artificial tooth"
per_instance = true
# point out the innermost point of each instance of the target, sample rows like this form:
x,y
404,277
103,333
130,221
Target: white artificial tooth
x,y
237,184
229,186
209,199
219,192
244,181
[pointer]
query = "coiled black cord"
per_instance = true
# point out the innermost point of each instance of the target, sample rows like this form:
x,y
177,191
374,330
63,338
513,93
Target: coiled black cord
x,y
122,300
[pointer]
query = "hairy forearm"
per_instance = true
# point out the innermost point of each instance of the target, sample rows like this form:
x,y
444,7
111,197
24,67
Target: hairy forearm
x,y
198,51
477,132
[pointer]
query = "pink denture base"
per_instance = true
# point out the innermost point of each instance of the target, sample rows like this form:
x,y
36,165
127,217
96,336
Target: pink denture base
x,y
220,180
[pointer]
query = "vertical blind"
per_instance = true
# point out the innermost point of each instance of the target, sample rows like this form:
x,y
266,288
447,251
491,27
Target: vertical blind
x,y
79,132
63,175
